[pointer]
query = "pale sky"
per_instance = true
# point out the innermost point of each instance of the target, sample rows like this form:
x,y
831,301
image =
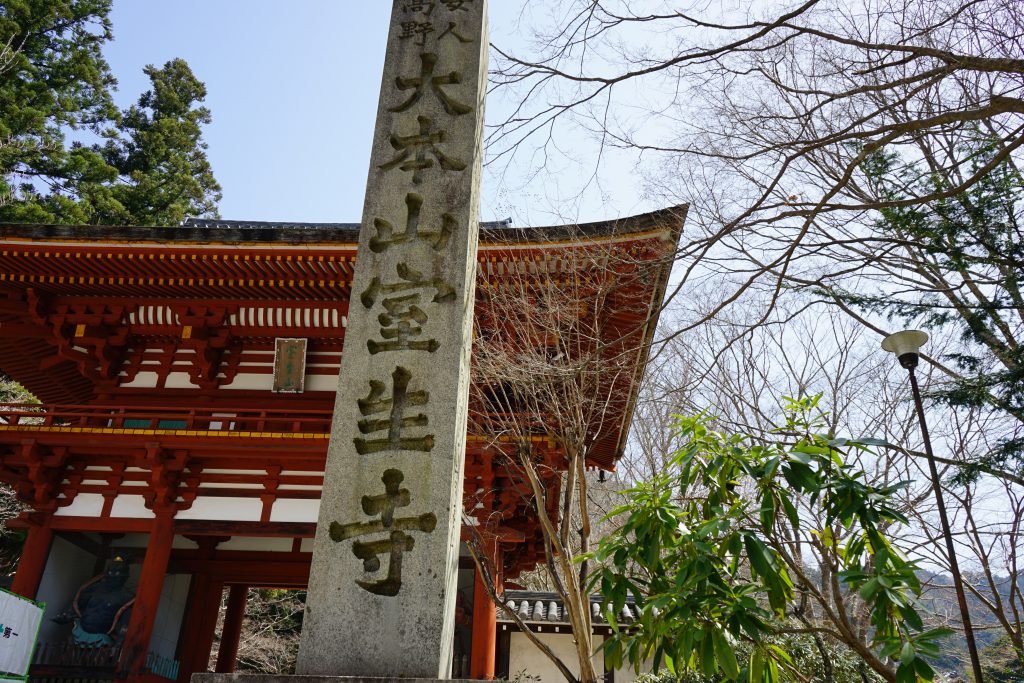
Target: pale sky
x,y
293,91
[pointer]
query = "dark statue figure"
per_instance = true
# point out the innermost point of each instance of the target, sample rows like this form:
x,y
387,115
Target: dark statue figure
x,y
101,608
463,625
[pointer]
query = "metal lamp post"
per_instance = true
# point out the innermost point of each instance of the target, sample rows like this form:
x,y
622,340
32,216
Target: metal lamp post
x,y
904,345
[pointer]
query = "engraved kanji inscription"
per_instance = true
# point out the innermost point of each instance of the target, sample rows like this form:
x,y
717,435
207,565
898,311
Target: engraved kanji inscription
x,y
453,5
402,321
410,279
428,7
418,7
452,33
386,235
394,421
428,81
382,569
414,152
416,29
397,541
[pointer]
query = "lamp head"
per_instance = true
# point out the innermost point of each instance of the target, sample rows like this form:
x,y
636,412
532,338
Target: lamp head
x,y
905,345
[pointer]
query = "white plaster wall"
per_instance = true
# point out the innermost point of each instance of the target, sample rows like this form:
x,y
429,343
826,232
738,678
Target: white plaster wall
x,y
216,507
178,380
220,485
243,380
67,568
252,382
295,510
628,675
321,383
270,544
169,615
524,656
144,379
84,505
131,506
265,382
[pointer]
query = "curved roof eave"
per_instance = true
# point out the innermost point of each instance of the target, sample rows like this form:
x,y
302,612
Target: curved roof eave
x,y
655,307
216,231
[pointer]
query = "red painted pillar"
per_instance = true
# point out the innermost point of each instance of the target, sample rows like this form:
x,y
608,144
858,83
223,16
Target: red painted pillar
x,y
147,597
485,621
200,627
33,560
232,629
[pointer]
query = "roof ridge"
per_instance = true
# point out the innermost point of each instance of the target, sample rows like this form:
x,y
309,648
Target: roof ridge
x,y
192,222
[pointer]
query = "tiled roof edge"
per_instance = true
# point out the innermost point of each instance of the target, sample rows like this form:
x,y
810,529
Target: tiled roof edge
x,y
540,606
225,231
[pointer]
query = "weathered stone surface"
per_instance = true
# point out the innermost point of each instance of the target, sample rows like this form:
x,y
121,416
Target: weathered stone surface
x,y
382,585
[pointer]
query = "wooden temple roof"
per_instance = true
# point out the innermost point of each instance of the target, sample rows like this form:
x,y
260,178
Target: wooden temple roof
x,y
77,281
87,311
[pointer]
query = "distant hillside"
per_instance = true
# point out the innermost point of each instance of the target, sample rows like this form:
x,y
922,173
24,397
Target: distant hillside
x,y
939,599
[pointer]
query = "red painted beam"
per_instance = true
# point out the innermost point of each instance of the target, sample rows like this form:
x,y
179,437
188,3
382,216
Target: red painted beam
x,y
202,527
117,525
270,574
33,561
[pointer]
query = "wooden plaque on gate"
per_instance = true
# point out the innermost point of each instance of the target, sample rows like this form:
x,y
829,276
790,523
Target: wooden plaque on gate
x,y
289,365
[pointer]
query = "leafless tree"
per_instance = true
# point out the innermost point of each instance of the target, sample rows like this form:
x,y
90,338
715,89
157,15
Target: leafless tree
x,y
765,119
806,351
774,109
557,349
991,513
269,640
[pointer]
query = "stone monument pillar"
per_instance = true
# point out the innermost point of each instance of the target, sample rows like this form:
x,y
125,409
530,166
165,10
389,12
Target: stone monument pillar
x,y
382,587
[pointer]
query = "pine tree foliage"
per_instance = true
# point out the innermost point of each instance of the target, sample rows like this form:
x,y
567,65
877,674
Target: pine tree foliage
x,y
10,507
54,81
67,154
160,155
955,267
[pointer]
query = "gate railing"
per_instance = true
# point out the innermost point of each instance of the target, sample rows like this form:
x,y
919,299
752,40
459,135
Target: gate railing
x,y
65,662
118,417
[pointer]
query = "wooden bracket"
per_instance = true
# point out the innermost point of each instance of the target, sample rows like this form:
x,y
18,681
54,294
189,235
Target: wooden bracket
x,y
165,476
